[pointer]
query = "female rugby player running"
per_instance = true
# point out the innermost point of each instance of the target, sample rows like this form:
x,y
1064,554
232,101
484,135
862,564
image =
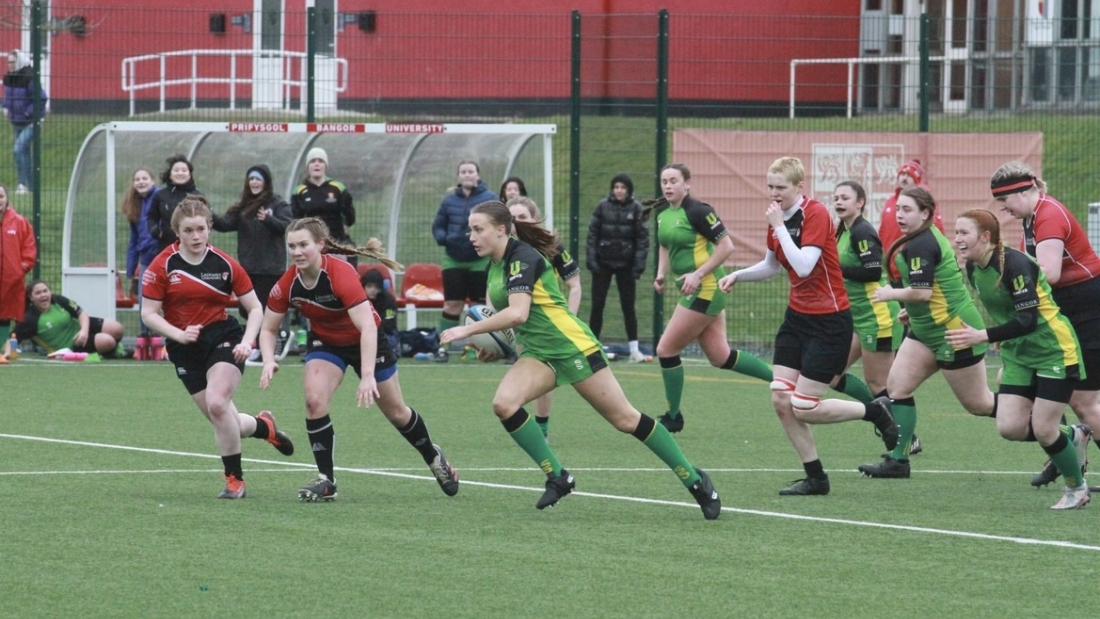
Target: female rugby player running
x,y
558,349
344,331
186,291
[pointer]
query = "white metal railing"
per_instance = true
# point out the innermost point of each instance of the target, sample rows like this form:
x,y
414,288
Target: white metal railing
x,y
162,82
851,62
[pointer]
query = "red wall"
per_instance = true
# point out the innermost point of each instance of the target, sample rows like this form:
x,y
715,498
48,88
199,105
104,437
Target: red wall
x,y
724,50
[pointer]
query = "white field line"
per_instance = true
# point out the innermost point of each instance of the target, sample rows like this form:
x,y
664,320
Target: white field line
x,y
1027,541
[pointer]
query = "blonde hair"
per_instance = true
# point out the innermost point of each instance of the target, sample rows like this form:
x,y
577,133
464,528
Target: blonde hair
x,y
320,233
193,205
790,167
1017,169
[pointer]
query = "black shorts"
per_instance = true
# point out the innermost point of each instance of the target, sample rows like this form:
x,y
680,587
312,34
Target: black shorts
x,y
343,357
95,326
1081,304
215,345
1091,361
462,284
816,346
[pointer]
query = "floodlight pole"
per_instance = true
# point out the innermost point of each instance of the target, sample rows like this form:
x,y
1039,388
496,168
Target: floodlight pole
x,y
575,139
925,74
36,133
662,159
311,62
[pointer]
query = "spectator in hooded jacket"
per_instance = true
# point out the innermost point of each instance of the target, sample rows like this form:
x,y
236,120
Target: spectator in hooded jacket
x,y
179,182
325,198
260,219
23,113
618,243
464,271
18,255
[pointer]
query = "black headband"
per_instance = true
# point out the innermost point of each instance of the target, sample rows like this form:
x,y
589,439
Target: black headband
x,y
1011,184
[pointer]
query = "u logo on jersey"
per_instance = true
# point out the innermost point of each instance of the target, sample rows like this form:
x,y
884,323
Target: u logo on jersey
x,y
515,268
914,265
565,257
1018,283
864,246
712,219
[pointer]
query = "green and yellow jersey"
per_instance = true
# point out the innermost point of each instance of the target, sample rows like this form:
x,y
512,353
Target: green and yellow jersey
x,y
690,232
551,330
1033,331
927,262
861,263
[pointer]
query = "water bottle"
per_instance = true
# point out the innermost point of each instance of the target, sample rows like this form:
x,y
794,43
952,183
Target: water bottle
x,y
74,356
423,356
13,347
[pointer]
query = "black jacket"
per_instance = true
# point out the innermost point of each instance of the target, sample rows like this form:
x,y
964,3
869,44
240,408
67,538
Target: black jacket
x,y
618,238
261,249
164,204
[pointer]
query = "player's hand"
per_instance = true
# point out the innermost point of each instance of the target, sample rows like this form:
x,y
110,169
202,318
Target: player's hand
x,y
81,338
368,391
689,283
965,337
774,214
884,294
487,355
726,283
454,333
659,284
266,374
903,317
189,335
241,352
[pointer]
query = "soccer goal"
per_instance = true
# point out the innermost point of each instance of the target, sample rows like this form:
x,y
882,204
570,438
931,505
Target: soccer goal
x,y
397,174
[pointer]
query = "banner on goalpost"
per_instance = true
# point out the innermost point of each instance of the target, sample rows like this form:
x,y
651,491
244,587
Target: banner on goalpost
x,y
728,170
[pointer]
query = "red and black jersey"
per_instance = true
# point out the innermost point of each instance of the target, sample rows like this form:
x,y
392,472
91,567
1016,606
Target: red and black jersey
x,y
1052,220
822,292
194,294
326,304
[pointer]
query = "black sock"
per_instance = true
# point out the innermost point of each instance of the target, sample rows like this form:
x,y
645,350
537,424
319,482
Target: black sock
x,y
730,360
323,440
871,413
261,429
882,394
232,465
814,469
996,401
417,435
542,420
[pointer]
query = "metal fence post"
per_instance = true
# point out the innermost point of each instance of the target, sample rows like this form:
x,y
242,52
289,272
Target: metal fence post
x,y
36,128
925,73
575,138
311,59
662,158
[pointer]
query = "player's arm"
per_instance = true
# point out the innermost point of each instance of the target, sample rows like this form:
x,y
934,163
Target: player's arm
x,y
269,330
362,316
869,251
573,284
1049,255
922,254
251,304
662,270
153,318
767,268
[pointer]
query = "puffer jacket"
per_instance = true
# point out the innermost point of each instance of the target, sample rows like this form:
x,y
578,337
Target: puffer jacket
x,y
618,238
19,96
451,228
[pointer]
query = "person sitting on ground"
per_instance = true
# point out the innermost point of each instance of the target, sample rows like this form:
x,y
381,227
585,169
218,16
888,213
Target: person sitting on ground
x,y
54,322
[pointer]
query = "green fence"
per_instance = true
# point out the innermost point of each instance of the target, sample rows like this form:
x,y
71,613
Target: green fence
x,y
626,92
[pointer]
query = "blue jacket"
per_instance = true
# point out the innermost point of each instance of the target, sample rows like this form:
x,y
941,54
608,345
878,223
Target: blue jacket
x,y
451,227
143,247
19,97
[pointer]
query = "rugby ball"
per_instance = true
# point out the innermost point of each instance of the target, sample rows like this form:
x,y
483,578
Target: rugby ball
x,y
500,343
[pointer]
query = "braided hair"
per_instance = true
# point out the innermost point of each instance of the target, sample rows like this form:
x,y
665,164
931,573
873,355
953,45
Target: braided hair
x,y
320,233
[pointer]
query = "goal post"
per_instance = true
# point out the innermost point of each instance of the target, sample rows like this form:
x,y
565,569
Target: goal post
x,y
397,174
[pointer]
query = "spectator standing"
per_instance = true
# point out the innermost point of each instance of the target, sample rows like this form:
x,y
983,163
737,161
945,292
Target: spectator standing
x,y
18,255
618,243
324,198
179,182
513,187
260,218
386,306
464,271
143,248
22,113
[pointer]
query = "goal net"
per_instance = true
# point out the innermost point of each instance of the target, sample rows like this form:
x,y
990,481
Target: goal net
x,y
397,174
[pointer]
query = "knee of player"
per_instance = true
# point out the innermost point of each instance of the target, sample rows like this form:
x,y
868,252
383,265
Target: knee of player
x,y
804,406
217,406
504,408
315,406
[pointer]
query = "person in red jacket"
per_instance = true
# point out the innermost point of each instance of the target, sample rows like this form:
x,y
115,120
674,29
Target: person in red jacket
x,y
18,255
910,174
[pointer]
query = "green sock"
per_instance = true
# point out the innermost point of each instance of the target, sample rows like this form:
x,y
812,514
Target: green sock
x,y
1066,460
905,414
751,365
525,432
447,322
5,333
853,386
544,425
660,442
673,377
